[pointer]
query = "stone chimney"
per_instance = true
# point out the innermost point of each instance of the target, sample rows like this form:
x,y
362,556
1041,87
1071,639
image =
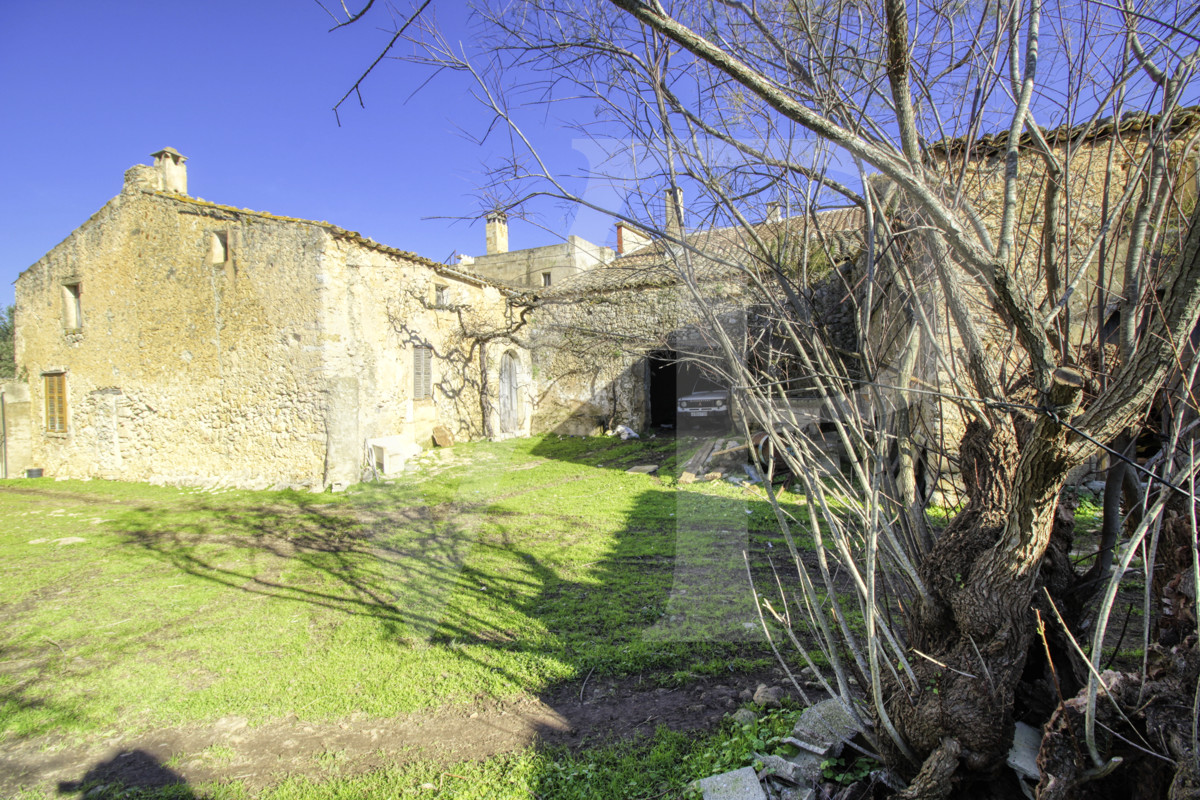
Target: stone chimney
x,y
630,238
142,177
774,211
497,233
674,216
169,164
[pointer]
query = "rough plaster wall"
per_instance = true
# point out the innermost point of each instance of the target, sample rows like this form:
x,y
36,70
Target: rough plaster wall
x,y
184,370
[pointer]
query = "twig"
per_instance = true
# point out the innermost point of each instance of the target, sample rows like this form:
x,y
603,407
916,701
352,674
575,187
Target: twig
x,y
1041,629
944,666
363,77
643,722
584,685
1120,639
767,632
1091,735
983,663
1137,746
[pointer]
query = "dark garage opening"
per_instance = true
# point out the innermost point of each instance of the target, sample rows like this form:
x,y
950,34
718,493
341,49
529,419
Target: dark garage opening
x,y
669,380
663,387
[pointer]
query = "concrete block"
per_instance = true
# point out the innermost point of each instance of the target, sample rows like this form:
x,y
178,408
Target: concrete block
x,y
827,723
741,784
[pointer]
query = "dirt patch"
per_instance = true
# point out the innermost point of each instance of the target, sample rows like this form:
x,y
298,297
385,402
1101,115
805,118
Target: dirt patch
x,y
572,715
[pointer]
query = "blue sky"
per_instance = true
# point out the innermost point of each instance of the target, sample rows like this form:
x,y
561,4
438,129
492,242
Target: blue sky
x,y
244,89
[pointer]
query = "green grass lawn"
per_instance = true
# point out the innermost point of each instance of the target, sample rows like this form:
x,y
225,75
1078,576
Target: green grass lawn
x,y
496,569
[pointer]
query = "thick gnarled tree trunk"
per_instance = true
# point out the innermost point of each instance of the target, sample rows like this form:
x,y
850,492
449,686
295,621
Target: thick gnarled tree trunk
x,y
982,573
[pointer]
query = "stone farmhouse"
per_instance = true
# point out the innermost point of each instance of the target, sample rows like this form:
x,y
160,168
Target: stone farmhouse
x,y
641,337
177,340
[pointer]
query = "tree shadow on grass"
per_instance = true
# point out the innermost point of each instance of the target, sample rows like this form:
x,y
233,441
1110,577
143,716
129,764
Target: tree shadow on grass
x,y
23,694
126,771
497,561
547,570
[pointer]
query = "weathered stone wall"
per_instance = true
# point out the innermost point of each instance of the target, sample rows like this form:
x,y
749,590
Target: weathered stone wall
x,y
379,306
218,344
183,368
1098,172
590,350
15,409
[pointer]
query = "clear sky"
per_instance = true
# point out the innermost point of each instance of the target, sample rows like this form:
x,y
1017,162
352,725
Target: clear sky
x,y
244,89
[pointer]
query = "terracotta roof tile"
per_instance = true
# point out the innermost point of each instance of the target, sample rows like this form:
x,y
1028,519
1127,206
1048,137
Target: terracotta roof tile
x,y
715,253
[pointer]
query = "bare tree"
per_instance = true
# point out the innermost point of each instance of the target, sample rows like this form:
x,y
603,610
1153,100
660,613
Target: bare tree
x,y
8,368
1025,287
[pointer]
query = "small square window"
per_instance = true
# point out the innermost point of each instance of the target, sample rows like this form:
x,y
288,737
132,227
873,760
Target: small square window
x,y
73,306
441,296
545,279
422,373
55,385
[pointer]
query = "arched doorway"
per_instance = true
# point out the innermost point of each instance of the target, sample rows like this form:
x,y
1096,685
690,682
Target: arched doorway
x,y
510,406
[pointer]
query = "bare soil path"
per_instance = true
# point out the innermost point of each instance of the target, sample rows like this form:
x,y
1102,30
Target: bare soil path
x,y
572,715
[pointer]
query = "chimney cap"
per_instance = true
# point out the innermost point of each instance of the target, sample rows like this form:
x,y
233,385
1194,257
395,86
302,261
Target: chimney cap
x,y
497,215
169,151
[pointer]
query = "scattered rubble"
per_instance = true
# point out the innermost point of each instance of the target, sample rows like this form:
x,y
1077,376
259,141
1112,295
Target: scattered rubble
x,y
744,716
768,696
821,733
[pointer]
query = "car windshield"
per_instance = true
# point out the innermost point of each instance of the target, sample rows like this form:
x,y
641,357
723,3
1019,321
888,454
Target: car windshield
x,y
703,384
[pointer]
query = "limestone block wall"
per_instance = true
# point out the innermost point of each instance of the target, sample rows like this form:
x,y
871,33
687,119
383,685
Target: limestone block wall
x,y
199,350
200,343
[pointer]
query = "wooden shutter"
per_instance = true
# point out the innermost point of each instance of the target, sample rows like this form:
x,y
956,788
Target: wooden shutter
x,y
56,402
422,373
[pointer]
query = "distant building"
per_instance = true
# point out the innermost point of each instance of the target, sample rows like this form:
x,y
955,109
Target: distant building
x,y
534,267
